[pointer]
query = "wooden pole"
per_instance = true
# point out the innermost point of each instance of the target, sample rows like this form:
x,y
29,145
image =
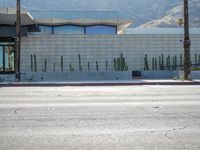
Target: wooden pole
x,y
187,43
18,41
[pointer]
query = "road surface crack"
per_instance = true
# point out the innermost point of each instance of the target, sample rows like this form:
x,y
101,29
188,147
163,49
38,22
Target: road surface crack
x,y
16,111
173,130
193,116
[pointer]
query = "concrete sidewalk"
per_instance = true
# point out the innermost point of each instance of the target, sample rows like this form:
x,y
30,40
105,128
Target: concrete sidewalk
x,y
102,83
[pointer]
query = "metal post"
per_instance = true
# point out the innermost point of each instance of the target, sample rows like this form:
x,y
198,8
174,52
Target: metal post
x,y
187,65
18,41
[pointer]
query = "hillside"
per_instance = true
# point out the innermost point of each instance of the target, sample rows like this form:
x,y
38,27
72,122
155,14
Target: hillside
x,y
169,20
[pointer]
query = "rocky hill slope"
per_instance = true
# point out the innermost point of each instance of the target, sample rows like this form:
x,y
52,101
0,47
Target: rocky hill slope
x,y
170,19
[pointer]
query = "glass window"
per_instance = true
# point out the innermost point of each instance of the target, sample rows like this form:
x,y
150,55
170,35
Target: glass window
x,y
69,29
45,30
7,59
1,58
100,30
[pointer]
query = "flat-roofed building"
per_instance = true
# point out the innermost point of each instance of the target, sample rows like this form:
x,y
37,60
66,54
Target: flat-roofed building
x,y
63,41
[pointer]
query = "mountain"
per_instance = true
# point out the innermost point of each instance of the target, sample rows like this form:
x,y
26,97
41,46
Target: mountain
x,y
140,12
170,19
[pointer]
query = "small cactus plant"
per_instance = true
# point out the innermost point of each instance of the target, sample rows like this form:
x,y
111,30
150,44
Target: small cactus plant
x,y
88,66
167,63
163,63
80,66
1,79
106,65
156,65
173,66
146,65
196,61
160,63
120,63
97,66
61,63
45,65
175,61
126,67
181,61
54,67
35,63
199,61
153,64
115,64
71,68
31,63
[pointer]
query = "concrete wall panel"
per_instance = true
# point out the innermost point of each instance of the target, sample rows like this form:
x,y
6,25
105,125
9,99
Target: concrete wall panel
x,y
100,48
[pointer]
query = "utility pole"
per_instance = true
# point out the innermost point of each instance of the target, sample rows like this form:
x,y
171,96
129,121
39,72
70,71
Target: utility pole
x,y
18,41
187,43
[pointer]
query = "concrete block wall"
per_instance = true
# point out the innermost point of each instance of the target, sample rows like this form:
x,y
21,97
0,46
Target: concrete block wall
x,y
76,76
100,48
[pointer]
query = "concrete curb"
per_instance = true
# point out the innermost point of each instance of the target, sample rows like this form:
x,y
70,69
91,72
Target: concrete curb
x,y
52,84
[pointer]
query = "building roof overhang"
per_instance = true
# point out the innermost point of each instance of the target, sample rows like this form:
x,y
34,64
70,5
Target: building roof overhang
x,y
8,17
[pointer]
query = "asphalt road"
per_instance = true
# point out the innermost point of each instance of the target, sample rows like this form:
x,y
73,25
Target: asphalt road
x,y
100,118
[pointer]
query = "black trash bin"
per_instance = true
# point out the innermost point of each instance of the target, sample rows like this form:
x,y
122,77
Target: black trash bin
x,y
136,74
